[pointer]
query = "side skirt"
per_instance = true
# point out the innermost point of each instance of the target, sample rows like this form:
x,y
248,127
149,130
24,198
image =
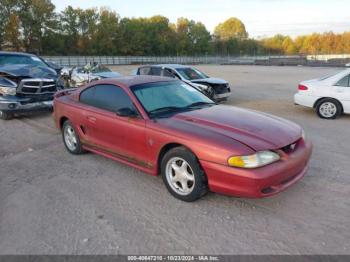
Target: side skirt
x,y
121,160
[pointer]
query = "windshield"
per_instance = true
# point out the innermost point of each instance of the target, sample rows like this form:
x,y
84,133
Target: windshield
x,y
21,59
191,73
162,98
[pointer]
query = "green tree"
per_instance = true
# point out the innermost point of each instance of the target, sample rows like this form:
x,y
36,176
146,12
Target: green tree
x,y
69,21
192,37
37,18
11,36
274,45
8,7
288,46
231,28
134,37
200,38
105,40
161,36
183,42
87,26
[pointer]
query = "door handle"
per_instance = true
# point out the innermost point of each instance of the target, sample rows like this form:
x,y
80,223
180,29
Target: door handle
x,y
91,119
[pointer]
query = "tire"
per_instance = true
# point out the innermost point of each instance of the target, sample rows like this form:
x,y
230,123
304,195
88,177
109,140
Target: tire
x,y
189,183
328,108
5,115
71,139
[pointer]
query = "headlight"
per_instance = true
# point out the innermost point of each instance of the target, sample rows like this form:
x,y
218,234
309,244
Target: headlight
x,y
7,90
259,159
203,87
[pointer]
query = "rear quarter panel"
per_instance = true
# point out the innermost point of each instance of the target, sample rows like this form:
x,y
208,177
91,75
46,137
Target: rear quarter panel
x,y
66,107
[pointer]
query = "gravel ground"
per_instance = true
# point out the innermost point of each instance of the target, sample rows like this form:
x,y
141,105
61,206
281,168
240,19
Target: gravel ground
x,y
54,203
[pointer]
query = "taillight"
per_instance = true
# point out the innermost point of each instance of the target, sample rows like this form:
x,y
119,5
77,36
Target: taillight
x,y
302,87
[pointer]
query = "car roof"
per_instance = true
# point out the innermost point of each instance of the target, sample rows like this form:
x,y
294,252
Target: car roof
x,y
173,66
15,53
129,81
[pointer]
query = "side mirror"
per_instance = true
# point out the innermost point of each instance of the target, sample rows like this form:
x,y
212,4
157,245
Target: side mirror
x,y
127,112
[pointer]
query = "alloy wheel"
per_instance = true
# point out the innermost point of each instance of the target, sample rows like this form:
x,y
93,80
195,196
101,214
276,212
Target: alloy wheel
x,y
180,176
328,109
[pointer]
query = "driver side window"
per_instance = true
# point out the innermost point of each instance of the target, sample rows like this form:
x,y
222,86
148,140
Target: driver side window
x,y
106,97
345,81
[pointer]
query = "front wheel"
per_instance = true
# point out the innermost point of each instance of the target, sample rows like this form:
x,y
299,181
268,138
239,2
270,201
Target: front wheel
x,y
182,175
329,109
5,115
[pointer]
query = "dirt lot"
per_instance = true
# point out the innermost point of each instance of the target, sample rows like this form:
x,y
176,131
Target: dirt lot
x,y
55,203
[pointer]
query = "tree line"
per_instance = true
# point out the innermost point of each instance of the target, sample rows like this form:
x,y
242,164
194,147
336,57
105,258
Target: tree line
x,y
35,26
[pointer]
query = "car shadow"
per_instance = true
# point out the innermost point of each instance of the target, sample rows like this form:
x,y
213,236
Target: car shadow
x,y
33,115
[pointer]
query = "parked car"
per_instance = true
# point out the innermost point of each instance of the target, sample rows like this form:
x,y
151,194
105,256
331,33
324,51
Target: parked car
x,y
215,88
330,95
79,76
27,83
163,125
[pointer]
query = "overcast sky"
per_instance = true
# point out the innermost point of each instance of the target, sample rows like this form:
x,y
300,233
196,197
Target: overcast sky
x,y
261,17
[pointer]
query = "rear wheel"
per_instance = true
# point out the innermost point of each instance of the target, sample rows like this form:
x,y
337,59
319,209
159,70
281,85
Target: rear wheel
x,y
5,115
71,139
182,175
328,108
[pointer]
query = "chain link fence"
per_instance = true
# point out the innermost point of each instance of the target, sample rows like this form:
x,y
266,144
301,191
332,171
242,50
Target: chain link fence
x,y
217,60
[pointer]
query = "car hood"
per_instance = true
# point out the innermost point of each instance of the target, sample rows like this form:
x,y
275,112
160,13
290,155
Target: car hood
x,y
256,130
210,80
107,74
30,71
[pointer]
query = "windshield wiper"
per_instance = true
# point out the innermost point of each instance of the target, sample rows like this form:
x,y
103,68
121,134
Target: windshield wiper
x,y
166,109
174,109
197,104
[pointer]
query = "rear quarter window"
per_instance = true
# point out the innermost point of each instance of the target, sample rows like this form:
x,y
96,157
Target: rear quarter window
x,y
145,71
344,81
87,96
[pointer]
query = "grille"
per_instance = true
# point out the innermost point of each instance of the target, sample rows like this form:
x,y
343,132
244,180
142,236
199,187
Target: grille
x,y
36,86
221,88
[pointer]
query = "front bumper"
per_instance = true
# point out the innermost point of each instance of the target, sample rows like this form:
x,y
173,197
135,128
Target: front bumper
x,y
261,182
14,104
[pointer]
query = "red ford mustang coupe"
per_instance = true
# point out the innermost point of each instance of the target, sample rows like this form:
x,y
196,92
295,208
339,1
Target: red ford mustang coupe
x,y
165,126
